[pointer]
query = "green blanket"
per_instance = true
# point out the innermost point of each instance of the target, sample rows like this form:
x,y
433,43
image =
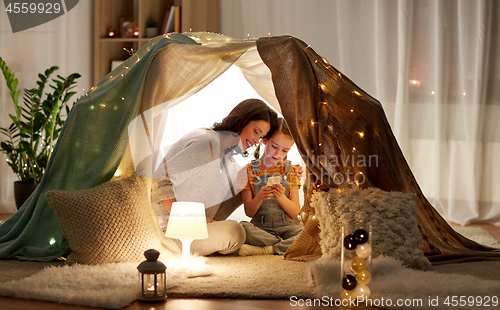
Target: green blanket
x,y
91,146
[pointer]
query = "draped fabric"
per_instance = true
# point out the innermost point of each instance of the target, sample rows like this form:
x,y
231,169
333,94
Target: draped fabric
x,y
434,67
345,140
99,140
111,132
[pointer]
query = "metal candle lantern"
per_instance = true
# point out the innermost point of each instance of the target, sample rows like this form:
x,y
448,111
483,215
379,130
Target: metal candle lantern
x,y
152,278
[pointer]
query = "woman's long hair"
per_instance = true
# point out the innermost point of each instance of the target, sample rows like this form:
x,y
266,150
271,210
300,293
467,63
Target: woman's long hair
x,y
246,111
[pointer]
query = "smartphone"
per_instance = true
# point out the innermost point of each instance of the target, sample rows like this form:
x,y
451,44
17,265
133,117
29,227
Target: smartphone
x,y
273,180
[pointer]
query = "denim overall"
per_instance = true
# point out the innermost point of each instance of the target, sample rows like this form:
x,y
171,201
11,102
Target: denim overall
x,y
271,225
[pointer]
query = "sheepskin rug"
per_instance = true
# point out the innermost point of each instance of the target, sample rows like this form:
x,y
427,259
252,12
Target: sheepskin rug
x,y
111,285
394,286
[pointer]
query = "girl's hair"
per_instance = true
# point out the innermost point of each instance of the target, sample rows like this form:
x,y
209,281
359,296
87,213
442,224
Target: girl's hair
x,y
282,127
246,111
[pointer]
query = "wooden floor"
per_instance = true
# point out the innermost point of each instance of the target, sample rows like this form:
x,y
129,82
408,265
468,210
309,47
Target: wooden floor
x,y
189,303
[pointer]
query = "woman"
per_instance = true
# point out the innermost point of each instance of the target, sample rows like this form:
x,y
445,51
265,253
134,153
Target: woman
x,y
200,167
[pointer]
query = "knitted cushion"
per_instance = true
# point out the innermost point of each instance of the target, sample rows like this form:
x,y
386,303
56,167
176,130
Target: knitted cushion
x,y
392,216
108,223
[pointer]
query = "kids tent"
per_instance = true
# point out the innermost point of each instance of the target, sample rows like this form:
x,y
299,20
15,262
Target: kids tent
x,y
324,109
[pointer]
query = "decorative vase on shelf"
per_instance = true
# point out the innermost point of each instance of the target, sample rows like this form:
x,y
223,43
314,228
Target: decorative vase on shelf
x,y
151,28
151,32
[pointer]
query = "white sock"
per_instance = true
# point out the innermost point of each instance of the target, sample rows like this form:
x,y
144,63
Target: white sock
x,y
248,249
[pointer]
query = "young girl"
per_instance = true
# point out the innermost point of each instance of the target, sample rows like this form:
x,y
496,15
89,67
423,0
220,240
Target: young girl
x,y
273,208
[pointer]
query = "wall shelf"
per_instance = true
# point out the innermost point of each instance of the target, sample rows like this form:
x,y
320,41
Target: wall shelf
x,y
197,15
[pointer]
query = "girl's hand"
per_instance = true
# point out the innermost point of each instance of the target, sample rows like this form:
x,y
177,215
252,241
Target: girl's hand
x,y
265,193
298,171
210,221
278,191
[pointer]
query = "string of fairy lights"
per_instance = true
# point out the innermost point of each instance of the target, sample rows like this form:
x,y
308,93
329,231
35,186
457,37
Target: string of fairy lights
x,y
322,88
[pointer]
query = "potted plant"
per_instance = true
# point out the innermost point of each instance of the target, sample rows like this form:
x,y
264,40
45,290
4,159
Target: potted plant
x,y
35,127
151,28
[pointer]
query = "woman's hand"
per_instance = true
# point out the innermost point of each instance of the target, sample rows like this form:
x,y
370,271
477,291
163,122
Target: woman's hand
x,y
278,191
298,170
265,193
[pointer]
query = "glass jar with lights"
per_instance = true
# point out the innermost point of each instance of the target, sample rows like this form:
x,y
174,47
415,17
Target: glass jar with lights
x,y
152,278
356,256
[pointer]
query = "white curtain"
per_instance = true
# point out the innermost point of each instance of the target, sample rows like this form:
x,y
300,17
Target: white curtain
x,y
435,67
65,42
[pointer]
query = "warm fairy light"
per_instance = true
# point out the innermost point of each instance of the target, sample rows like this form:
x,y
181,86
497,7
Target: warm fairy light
x,y
464,93
340,74
103,105
110,77
432,92
269,35
130,52
123,98
361,134
414,82
323,87
308,46
316,61
248,36
356,92
312,122
136,33
190,29
122,74
319,144
352,111
354,148
324,60
323,102
128,68
138,58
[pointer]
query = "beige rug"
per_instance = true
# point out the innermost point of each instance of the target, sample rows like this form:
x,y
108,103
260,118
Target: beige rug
x,y
114,286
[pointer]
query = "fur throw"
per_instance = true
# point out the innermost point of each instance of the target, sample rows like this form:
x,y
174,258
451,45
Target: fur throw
x,y
392,216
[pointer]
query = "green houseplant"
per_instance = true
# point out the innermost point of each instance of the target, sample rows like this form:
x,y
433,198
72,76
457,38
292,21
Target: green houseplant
x,y
151,28
35,126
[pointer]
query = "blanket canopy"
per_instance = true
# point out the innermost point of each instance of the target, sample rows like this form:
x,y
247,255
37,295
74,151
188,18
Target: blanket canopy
x,y
341,132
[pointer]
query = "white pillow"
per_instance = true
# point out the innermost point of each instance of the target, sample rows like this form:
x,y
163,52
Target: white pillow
x,y
392,216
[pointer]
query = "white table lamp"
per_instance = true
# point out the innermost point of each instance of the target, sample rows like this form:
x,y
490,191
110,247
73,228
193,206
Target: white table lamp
x,y
187,222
